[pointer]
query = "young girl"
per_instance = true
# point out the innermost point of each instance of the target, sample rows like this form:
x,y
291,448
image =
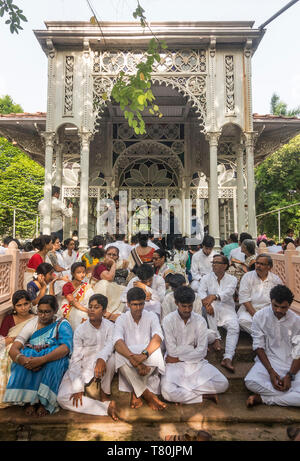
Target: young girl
x,y
69,254
76,296
43,244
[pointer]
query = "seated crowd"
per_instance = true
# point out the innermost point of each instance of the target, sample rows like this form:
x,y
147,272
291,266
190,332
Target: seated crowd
x,y
150,315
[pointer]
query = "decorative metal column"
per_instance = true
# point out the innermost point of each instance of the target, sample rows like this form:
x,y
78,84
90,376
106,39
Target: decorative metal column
x,y
49,145
249,142
241,225
84,189
213,138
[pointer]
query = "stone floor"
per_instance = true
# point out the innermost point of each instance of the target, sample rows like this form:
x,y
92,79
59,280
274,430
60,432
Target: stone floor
x,y
229,420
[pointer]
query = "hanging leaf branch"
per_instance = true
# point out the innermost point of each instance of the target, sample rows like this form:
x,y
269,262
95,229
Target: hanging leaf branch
x,y
14,13
133,92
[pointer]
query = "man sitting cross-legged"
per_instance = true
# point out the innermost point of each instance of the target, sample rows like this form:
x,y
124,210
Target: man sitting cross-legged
x,y
92,360
137,340
275,377
189,377
216,291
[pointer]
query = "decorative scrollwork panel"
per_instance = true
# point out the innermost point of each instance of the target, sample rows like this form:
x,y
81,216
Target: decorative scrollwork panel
x,y
69,76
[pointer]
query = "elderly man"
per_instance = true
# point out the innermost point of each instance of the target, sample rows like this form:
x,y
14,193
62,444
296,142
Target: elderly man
x,y
275,377
137,341
236,253
216,291
58,211
189,378
254,292
201,261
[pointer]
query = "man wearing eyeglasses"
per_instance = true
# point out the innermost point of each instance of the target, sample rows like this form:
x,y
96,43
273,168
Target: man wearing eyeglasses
x,y
216,291
254,292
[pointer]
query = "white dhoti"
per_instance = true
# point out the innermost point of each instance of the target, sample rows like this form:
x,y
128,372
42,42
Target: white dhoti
x,y
187,382
229,321
258,381
130,380
113,292
245,319
89,406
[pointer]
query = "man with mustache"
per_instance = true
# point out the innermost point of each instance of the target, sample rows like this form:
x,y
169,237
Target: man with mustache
x,y
275,377
254,292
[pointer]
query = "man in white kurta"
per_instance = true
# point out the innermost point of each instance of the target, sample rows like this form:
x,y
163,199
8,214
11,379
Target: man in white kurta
x,y
189,377
201,261
137,340
275,377
153,285
254,292
93,345
216,291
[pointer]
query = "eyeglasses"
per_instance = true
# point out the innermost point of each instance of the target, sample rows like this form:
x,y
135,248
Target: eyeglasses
x,y
44,312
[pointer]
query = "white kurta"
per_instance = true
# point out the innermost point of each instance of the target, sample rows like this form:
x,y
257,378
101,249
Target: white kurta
x,y
280,340
236,253
257,291
224,310
201,265
90,344
157,290
69,260
187,380
137,337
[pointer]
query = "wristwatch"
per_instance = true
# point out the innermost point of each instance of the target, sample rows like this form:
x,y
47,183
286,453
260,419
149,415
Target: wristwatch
x,y
218,298
145,352
291,375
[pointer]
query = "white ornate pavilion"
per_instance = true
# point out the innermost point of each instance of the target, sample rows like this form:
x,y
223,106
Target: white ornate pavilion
x,y
204,147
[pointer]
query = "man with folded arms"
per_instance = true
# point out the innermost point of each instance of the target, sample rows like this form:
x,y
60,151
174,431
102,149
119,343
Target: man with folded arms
x,y
275,377
137,340
254,291
189,378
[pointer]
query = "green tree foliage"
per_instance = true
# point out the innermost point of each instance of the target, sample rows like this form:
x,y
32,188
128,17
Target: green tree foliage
x,y
7,106
280,108
14,14
278,185
21,186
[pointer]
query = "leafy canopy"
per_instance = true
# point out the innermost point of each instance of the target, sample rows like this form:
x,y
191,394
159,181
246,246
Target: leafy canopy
x,y
278,185
21,186
7,106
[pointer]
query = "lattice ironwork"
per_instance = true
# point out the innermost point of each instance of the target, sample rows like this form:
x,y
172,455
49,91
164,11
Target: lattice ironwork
x,y
69,77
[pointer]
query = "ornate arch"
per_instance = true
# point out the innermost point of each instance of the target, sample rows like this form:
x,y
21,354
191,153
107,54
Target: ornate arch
x,y
146,154
183,70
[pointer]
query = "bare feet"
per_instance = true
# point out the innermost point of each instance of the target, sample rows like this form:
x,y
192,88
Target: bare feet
x,y
112,410
227,363
135,402
30,410
212,397
41,411
253,400
103,397
217,345
194,436
153,401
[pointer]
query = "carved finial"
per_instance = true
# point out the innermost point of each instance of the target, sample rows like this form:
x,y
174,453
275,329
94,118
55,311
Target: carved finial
x,y
248,48
212,46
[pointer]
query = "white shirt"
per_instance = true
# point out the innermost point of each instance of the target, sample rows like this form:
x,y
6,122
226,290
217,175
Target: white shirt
x,y
69,260
124,248
225,289
137,336
157,289
90,344
236,253
169,305
58,210
187,341
2,250
279,338
257,291
201,264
